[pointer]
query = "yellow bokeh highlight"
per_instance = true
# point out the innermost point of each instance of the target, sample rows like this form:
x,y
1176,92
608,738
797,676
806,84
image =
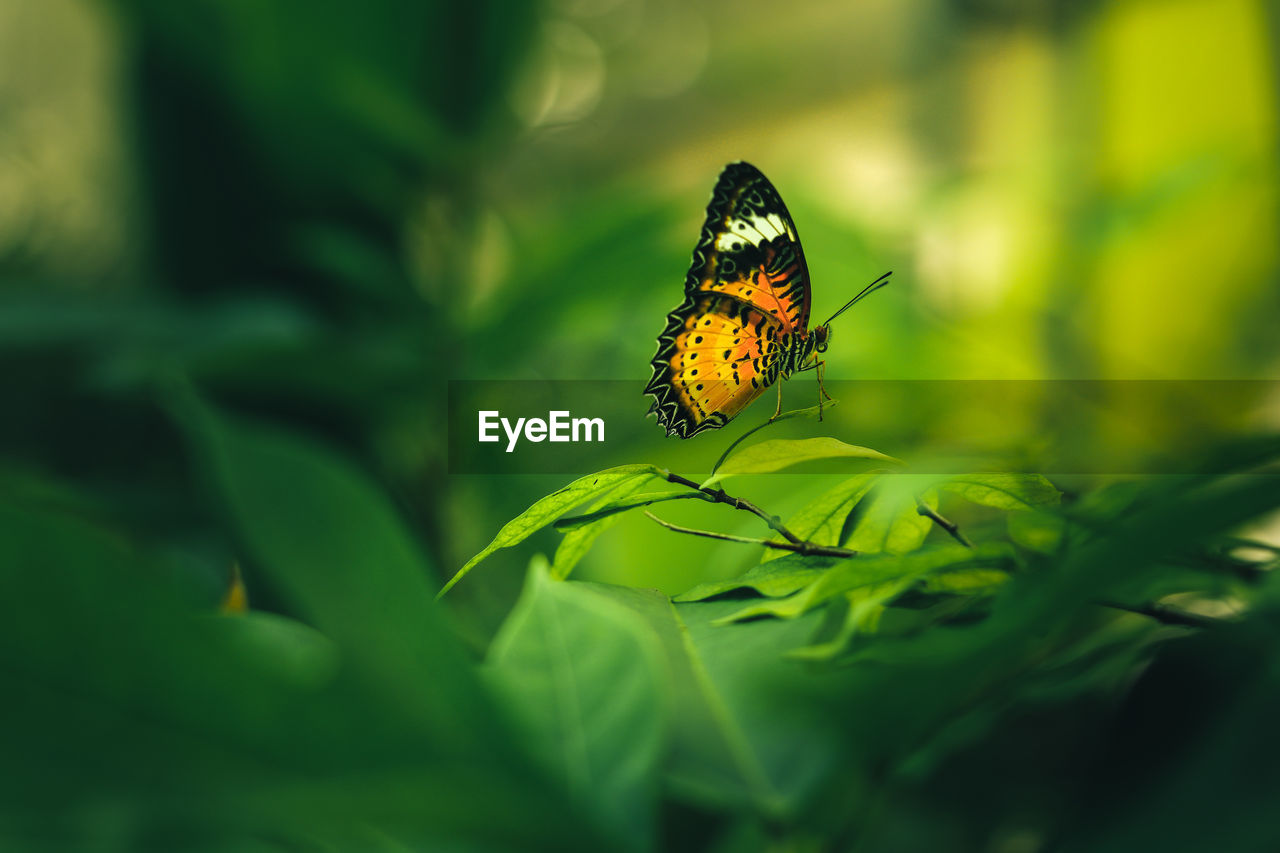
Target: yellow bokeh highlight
x,y
1185,141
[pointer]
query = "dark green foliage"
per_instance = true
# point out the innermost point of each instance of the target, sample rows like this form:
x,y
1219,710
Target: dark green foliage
x,y
930,654
256,386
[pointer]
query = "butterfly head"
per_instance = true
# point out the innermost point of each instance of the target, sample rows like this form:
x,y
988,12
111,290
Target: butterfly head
x,y
821,337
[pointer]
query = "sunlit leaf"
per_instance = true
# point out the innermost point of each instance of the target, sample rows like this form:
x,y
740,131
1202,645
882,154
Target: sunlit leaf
x,y
822,520
865,606
582,536
965,581
776,578
890,521
548,509
1004,491
872,569
1037,531
808,412
850,574
624,503
777,454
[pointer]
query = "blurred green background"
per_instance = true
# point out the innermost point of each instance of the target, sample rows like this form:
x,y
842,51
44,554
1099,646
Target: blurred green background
x,y
315,215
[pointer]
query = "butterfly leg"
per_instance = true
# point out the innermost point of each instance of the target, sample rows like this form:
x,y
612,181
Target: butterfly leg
x,y
822,392
778,410
822,388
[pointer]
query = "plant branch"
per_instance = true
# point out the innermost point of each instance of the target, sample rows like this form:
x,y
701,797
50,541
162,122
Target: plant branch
x,y
1159,612
951,527
801,547
1166,615
1242,569
720,496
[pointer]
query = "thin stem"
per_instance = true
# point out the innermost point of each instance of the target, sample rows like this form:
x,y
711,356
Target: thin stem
x,y
1159,612
720,496
1208,561
802,547
1165,614
951,527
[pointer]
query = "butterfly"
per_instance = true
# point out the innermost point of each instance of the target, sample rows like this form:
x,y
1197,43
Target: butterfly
x,y
744,321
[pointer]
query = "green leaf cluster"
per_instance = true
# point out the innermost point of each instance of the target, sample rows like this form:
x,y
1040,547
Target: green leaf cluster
x,y
787,701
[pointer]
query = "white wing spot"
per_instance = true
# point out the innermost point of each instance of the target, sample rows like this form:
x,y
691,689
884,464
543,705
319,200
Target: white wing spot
x,y
771,226
751,229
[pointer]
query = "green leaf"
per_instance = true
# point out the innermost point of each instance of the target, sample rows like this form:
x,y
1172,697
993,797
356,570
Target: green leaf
x,y
1004,491
809,412
582,536
866,571
890,522
546,510
965,582
227,729
915,686
709,746
776,454
322,531
747,729
334,549
823,519
584,678
861,571
1037,531
771,712
609,507
286,649
773,579
865,606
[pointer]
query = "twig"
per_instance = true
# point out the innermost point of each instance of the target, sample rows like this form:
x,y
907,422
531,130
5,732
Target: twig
x,y
720,496
1222,562
1159,612
810,549
924,509
1165,614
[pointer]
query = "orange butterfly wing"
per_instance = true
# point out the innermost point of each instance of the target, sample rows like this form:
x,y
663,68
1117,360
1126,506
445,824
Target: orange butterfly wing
x,y
746,297
718,363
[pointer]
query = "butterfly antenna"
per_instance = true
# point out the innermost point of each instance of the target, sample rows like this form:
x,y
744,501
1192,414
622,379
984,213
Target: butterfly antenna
x,y
866,291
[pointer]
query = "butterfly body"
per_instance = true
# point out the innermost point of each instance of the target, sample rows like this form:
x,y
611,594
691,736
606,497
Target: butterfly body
x,y
743,324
